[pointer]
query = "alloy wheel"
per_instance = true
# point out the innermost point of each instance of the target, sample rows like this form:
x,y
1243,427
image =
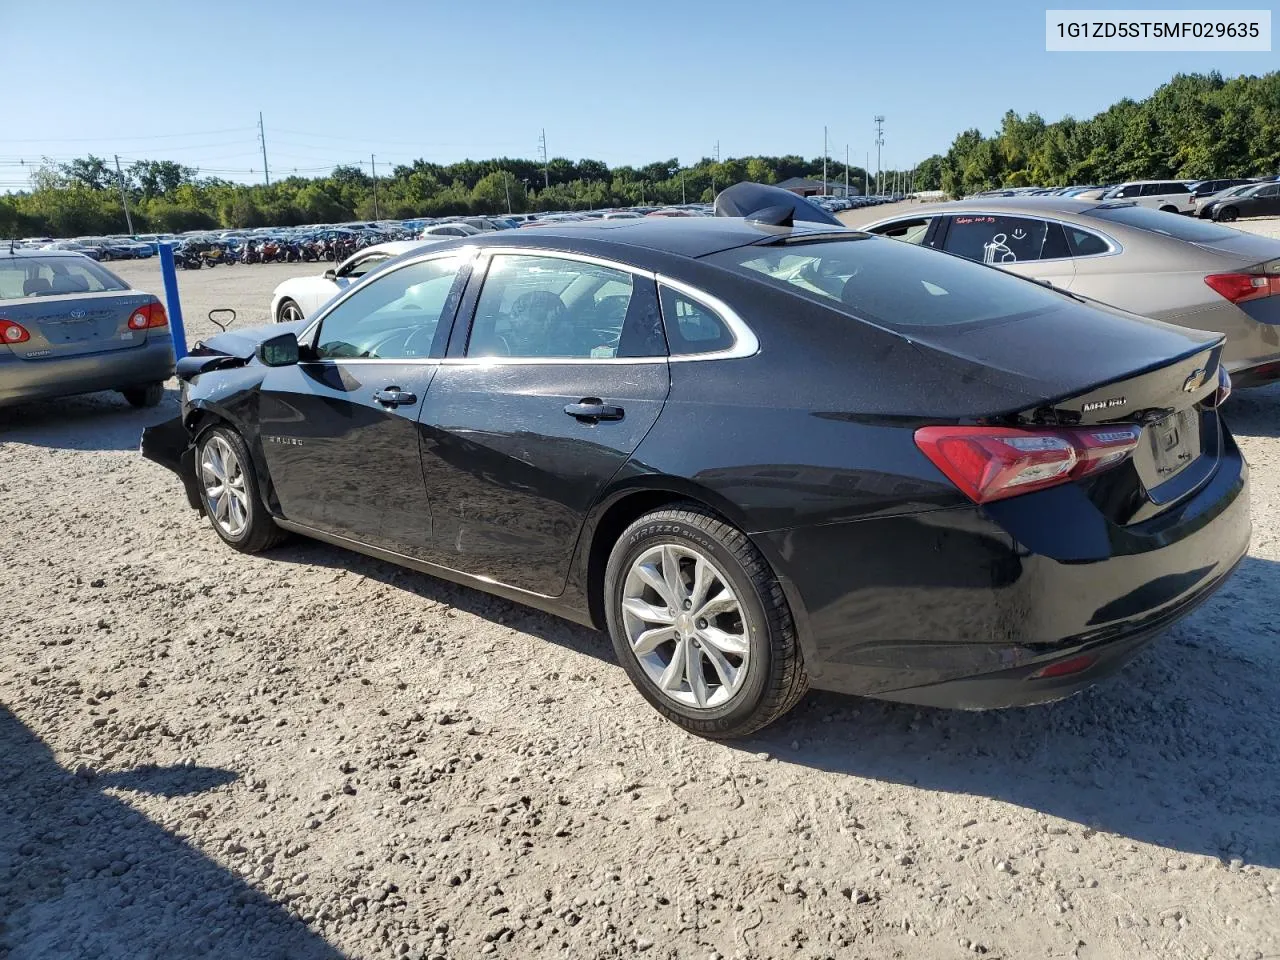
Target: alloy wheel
x,y
222,477
685,626
290,313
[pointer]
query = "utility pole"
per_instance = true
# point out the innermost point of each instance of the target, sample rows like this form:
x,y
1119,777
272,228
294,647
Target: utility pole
x,y
262,135
373,168
846,170
506,185
879,143
123,199
713,171
682,196
866,176
825,188
542,145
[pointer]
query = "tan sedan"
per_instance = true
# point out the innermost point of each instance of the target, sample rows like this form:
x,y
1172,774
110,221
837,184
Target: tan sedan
x,y
1189,272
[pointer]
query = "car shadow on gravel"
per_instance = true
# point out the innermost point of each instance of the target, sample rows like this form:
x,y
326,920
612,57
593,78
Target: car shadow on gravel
x,y
92,421
1254,412
1180,749
544,626
82,873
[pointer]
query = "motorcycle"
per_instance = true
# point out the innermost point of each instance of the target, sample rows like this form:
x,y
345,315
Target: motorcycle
x,y
187,259
250,253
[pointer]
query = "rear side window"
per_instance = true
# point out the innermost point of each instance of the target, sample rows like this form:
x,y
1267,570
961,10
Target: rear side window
x,y
910,231
54,277
1085,244
1157,221
896,285
692,327
998,241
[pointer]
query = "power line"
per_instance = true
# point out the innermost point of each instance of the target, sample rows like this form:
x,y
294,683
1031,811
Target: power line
x,y
113,136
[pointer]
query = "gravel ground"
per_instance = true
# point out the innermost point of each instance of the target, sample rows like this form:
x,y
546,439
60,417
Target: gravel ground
x,y
311,754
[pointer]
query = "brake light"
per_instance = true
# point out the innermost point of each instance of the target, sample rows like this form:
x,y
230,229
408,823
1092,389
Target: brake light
x,y
1224,389
992,463
149,315
11,332
1064,668
1243,287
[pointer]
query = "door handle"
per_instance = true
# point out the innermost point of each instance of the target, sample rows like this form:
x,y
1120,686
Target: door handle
x,y
394,396
592,410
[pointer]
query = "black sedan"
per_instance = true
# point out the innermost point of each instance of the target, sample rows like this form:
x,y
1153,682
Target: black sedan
x,y
763,455
1259,200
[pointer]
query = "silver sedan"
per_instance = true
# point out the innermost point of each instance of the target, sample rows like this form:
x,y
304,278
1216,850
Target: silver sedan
x,y
1173,268
69,325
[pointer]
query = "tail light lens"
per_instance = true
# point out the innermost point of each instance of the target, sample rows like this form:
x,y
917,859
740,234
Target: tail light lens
x,y
149,316
1224,389
992,463
1254,284
11,332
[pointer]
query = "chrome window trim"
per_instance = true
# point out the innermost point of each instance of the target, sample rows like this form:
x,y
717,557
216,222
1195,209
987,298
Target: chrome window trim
x,y
745,343
1114,246
492,252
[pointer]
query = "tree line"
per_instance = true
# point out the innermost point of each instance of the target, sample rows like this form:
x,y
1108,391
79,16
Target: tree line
x,y
83,197
1196,125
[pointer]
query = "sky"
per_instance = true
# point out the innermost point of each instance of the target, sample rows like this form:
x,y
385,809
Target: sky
x,y
622,82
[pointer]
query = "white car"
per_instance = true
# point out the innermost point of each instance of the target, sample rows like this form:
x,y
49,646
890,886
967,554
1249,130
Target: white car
x,y
445,230
298,298
1172,196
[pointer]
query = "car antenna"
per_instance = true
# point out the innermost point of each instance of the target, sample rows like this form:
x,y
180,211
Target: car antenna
x,y
12,244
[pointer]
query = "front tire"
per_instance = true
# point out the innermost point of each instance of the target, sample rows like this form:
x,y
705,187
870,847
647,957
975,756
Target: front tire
x,y
1228,215
701,625
148,396
288,311
229,492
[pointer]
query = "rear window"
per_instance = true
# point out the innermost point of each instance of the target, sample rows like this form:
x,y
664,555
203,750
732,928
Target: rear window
x,y
54,277
1170,224
893,284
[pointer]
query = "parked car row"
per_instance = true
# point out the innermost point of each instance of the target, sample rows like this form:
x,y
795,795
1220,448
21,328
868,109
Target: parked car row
x,y
768,452
1259,196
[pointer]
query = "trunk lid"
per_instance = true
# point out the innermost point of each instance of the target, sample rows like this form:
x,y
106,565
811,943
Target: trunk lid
x,y
1088,369
75,324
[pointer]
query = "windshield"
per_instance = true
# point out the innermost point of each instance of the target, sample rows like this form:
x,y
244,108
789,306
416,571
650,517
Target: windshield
x,y
54,277
1157,221
891,283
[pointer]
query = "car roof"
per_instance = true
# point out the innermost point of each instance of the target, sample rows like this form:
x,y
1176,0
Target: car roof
x,y
679,236
42,253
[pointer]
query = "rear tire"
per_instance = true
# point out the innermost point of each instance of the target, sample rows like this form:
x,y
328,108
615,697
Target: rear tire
x,y
1169,209
228,488
1228,215
747,667
148,396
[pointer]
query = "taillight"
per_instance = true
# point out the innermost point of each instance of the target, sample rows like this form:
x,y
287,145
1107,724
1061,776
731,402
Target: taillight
x,y
11,332
149,315
991,463
1240,288
1220,395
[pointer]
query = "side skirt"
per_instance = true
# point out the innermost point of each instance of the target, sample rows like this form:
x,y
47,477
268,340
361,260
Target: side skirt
x,y
553,605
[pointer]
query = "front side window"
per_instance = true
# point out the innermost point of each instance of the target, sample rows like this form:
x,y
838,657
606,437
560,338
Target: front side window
x,y
998,241
362,266
53,277
539,306
897,285
393,317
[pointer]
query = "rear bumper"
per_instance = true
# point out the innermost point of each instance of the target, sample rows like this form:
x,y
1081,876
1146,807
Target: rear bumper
x,y
26,380
960,607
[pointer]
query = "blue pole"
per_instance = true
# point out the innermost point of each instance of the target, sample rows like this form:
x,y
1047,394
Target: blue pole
x,y
174,307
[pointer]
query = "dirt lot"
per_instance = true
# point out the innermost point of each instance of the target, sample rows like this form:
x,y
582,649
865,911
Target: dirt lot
x,y
310,754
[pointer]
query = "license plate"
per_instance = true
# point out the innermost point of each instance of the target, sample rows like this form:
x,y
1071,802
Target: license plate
x,y
1175,442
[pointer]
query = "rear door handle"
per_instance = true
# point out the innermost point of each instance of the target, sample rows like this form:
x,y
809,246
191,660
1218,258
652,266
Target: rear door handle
x,y
593,409
394,396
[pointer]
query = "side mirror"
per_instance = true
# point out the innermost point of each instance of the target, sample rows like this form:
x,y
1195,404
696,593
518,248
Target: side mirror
x,y
331,274
279,351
